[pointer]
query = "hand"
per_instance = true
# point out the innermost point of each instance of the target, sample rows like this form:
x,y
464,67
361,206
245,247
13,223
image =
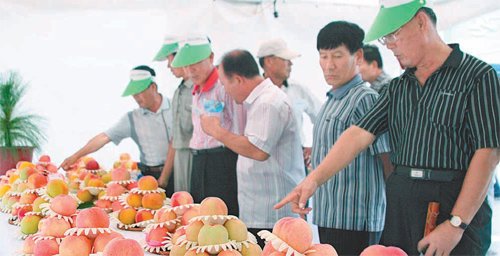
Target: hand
x,y
210,124
66,164
441,240
299,196
307,156
163,179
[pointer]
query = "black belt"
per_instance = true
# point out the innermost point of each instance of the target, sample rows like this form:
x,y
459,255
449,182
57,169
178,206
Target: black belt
x,y
429,174
208,150
146,168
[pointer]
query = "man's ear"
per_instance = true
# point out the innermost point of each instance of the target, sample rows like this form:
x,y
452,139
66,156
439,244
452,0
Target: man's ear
x,y
358,56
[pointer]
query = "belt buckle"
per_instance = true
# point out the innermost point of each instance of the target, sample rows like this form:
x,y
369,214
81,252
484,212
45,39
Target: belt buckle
x,y
417,173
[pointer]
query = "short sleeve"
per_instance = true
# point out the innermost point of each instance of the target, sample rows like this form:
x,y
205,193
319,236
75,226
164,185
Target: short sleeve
x,y
265,125
121,130
484,113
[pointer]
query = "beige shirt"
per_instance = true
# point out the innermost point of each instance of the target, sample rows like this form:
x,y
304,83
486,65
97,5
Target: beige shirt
x,y
181,110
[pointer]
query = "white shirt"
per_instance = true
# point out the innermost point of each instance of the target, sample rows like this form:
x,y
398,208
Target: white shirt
x,y
272,128
303,102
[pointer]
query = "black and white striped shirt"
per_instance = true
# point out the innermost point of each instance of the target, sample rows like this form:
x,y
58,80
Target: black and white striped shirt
x,y
441,124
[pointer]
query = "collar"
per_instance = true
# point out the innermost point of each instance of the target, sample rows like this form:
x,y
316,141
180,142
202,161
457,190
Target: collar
x,y
211,81
187,83
453,60
165,104
257,91
344,89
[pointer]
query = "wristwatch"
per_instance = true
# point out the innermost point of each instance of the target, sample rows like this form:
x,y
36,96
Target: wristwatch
x,y
457,222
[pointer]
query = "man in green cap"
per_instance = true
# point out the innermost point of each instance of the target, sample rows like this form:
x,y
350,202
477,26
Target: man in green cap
x,y
148,126
442,118
214,165
182,125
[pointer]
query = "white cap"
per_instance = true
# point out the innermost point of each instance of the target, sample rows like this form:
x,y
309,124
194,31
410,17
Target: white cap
x,y
276,47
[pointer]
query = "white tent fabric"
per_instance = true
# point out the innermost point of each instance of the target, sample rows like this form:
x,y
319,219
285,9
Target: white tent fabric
x,y
77,54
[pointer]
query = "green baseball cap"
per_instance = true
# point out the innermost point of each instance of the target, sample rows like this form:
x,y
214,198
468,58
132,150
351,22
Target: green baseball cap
x,y
140,79
192,50
170,45
392,15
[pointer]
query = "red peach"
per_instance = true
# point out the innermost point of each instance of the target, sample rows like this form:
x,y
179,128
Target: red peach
x,y
295,232
53,226
116,206
189,214
120,173
123,247
64,205
92,165
115,190
75,246
251,250
322,250
92,218
229,253
103,239
181,198
29,245
57,187
132,185
143,215
103,203
156,236
193,230
44,158
36,180
28,198
376,250
46,248
213,206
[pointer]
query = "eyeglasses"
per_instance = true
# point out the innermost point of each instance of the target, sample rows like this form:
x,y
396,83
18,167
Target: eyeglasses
x,y
390,38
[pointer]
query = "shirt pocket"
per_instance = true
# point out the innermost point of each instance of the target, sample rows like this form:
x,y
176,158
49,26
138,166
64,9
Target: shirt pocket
x,y
448,108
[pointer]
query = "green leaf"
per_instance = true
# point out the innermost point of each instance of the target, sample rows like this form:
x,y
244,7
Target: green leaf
x,y
85,205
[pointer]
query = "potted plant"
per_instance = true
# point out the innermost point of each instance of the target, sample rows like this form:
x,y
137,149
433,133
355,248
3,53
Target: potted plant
x,y
20,133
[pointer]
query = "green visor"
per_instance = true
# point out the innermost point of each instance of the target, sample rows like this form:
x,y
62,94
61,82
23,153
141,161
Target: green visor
x,y
390,18
166,50
139,81
193,51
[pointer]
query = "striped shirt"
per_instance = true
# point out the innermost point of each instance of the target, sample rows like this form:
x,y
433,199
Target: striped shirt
x,y
150,131
232,117
354,198
380,82
441,124
272,128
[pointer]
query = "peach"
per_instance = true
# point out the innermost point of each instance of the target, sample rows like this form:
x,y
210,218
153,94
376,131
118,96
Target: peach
x,y
270,250
36,180
251,250
101,194
322,250
178,250
236,229
21,187
134,200
178,233
28,198
116,205
193,230
212,234
53,226
124,156
36,204
11,201
295,232
26,172
152,201
44,159
132,185
213,206
89,176
376,250
192,252
57,187
84,195
164,216
115,190
46,248
143,215
74,186
127,215
103,239
189,214
106,178
13,177
123,247
51,168
21,164
103,203
29,224
116,164
120,173
92,165
29,245
75,246
159,213
156,236
4,188
147,183
23,210
229,253
181,198
92,218
95,183
64,205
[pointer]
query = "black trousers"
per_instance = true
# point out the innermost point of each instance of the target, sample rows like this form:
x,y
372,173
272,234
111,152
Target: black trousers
x,y
407,202
348,242
156,172
214,175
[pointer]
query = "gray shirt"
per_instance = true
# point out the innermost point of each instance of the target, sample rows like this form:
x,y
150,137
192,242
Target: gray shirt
x,y
382,80
150,131
181,109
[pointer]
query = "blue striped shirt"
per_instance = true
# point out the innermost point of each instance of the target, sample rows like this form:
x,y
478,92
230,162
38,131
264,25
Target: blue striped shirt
x,y
353,199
